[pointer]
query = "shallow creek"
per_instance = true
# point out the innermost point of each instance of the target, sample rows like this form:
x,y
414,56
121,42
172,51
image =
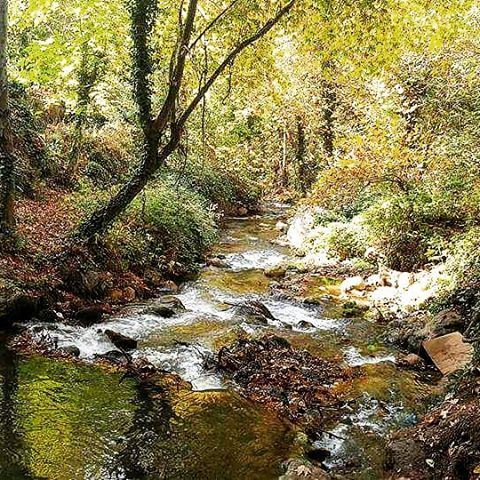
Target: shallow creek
x,y
65,421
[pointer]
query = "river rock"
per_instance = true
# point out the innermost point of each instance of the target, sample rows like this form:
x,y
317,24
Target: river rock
x,y
48,315
275,272
305,324
90,315
160,310
412,360
217,262
242,211
170,301
16,308
449,352
168,286
447,321
281,226
94,283
353,283
113,356
129,294
121,341
254,312
353,309
72,350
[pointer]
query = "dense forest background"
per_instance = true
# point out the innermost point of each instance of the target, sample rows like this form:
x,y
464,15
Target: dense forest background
x,y
184,112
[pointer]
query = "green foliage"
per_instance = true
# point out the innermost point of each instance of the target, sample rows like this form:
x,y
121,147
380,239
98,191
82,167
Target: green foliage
x,y
169,227
345,240
463,266
397,233
224,188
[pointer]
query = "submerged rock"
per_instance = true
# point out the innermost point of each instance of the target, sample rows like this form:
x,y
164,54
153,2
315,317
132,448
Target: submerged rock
x,y
254,312
121,341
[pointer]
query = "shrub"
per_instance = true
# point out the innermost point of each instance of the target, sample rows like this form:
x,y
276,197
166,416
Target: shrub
x,y
463,265
225,188
396,229
168,227
345,240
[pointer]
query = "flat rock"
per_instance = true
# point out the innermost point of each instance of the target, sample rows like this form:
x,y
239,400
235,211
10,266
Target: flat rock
x,y
449,352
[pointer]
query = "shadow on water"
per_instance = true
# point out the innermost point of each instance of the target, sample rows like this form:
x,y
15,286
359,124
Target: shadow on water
x,y
64,421
11,440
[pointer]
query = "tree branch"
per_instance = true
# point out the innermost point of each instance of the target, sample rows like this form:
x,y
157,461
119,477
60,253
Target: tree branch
x,y
161,121
213,22
230,58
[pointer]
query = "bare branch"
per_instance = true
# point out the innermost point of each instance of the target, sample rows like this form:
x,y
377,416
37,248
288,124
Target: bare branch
x,y
230,58
213,22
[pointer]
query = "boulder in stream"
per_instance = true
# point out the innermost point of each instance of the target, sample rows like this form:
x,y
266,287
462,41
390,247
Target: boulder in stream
x,y
254,312
121,341
160,310
90,315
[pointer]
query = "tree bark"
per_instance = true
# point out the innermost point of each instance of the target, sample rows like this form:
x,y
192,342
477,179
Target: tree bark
x,y
304,175
330,105
7,218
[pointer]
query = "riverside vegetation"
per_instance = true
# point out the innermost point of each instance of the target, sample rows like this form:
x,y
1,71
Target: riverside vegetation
x,y
239,239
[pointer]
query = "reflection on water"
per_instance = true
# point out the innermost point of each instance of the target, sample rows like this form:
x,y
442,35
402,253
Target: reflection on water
x,y
66,422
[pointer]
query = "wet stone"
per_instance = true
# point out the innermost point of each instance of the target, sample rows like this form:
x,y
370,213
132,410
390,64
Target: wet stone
x,y
121,341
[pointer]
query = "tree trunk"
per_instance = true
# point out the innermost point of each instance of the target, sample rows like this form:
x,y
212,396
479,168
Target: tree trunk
x,y
330,104
153,131
151,161
7,219
304,173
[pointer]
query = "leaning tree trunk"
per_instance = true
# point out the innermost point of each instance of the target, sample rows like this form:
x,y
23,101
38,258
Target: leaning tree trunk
x,y
7,220
152,158
151,161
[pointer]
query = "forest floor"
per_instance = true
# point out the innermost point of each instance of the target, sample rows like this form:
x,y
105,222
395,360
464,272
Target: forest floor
x,y
50,272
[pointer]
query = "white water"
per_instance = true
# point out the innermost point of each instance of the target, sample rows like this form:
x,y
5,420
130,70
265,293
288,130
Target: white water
x,y
202,301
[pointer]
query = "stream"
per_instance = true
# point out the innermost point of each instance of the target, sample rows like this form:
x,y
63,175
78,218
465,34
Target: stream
x,y
67,421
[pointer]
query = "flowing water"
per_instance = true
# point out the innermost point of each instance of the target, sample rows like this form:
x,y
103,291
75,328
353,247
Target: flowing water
x,y
69,421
